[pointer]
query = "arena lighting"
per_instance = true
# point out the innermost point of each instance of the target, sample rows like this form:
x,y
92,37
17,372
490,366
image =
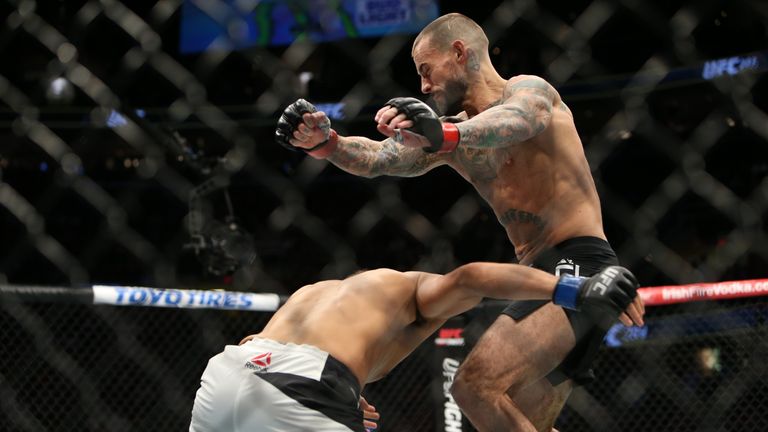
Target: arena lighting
x,y
116,119
304,79
60,91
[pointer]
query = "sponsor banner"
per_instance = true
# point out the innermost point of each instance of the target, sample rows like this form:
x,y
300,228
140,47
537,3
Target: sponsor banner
x,y
450,337
237,24
448,351
450,346
662,295
730,66
677,328
450,418
178,298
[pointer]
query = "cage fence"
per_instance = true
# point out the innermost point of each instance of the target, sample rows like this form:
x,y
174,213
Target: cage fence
x,y
130,157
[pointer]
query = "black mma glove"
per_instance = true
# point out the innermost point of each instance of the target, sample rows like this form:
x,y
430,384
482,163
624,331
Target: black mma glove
x,y
603,296
289,122
443,137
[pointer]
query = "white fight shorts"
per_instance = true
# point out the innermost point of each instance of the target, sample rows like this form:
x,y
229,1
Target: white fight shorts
x,y
265,385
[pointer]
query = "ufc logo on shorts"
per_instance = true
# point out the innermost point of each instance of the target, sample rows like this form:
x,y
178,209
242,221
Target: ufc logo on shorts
x,y
451,333
606,277
566,266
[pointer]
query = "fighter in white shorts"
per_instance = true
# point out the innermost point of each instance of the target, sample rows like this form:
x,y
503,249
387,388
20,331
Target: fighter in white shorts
x,y
306,389
307,367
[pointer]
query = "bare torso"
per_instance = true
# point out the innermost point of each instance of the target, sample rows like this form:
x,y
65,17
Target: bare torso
x,y
541,190
368,321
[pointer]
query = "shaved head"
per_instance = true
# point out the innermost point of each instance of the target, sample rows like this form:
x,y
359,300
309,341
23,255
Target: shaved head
x,y
441,32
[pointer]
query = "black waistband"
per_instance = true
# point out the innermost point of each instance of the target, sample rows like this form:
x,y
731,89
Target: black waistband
x,y
582,241
588,248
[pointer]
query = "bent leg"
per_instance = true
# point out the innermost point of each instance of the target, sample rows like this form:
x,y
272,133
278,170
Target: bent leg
x,y
541,402
502,384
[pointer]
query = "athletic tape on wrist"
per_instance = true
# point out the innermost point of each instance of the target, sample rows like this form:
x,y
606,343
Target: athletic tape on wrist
x,y
567,291
325,148
451,138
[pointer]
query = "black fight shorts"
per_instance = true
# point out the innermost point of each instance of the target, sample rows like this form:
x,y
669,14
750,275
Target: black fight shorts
x,y
579,256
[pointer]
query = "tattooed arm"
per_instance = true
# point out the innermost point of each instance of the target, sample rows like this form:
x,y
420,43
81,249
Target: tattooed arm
x,y
525,111
369,158
303,127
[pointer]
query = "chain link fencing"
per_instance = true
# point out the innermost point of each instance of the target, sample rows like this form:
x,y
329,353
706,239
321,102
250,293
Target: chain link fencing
x,y
124,160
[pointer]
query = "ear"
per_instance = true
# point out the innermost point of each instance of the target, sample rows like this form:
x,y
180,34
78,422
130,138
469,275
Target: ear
x,y
459,50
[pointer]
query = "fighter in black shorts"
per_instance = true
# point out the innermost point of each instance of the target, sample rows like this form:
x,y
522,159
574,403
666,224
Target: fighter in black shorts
x,y
519,148
579,256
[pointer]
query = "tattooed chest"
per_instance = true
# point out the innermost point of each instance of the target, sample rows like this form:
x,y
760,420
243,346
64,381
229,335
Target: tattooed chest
x,y
482,165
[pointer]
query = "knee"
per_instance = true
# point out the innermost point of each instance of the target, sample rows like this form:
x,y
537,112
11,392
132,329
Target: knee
x,y
468,387
462,391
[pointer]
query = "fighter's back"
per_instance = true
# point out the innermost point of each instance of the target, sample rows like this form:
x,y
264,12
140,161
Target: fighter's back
x,y
367,321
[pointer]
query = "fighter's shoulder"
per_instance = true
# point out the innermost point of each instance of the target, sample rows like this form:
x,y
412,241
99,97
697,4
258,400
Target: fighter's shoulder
x,y
385,276
524,82
527,80
380,272
388,285
310,291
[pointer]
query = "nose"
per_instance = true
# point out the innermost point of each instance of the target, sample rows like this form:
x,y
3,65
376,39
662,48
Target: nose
x,y
426,86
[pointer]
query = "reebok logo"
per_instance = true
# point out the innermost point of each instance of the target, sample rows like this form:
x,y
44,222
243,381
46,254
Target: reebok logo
x,y
260,362
606,277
